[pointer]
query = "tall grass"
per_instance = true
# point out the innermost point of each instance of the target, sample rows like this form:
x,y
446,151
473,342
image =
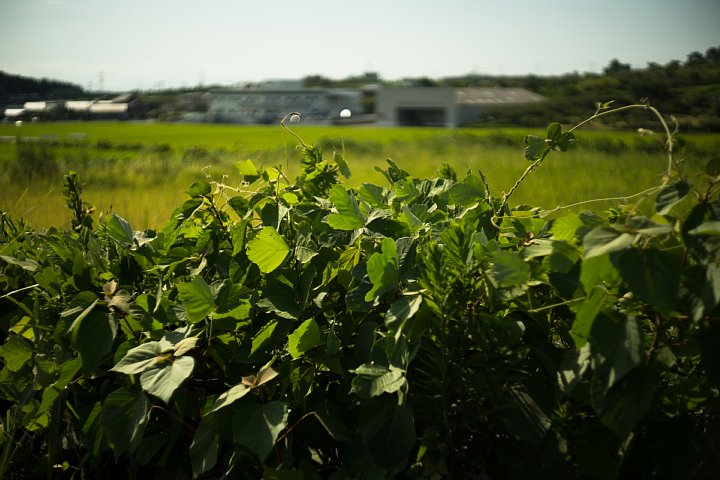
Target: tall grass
x,y
140,171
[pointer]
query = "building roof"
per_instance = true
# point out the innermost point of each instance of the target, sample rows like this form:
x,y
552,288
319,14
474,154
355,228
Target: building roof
x,y
495,95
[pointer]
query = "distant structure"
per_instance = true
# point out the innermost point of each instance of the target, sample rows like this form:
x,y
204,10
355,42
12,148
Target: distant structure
x,y
120,108
270,101
444,106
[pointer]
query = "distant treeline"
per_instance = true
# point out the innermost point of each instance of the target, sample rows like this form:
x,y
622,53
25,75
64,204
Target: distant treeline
x,y
17,87
690,90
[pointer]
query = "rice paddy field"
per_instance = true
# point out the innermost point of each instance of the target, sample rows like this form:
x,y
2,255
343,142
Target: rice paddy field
x,y
141,170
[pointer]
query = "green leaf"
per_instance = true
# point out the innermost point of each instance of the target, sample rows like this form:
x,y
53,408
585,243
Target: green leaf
x,y
468,192
401,311
509,270
140,358
554,131
566,227
204,447
382,269
670,196
119,230
28,264
372,380
184,346
267,250
94,338
283,306
599,270
330,417
125,414
652,275
199,189
343,167
348,216
589,310
305,247
606,240
536,148
162,378
627,403
616,346
68,370
712,167
257,427
17,352
230,396
306,337
247,169
197,298
711,227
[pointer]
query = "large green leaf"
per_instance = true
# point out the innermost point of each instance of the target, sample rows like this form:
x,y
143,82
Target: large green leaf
x,y
68,370
163,377
510,270
670,196
17,352
372,380
382,269
627,403
197,298
94,338
306,337
468,192
401,311
229,397
267,250
348,216
140,358
204,447
125,414
606,240
119,230
616,345
653,275
586,315
237,392
257,427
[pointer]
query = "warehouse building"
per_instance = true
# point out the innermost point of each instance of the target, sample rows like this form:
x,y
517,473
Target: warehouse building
x,y
445,106
271,101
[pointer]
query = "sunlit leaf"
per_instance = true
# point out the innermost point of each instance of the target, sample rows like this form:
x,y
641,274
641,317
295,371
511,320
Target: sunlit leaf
x,y
162,378
306,337
382,269
372,380
348,216
198,299
267,250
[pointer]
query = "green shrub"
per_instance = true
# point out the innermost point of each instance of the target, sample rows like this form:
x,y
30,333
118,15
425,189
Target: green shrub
x,y
420,329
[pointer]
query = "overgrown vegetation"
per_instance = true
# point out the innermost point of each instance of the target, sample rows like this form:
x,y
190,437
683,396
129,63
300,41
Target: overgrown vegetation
x,y
422,329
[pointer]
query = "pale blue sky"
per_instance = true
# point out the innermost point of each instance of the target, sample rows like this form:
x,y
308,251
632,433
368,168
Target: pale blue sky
x,y
170,43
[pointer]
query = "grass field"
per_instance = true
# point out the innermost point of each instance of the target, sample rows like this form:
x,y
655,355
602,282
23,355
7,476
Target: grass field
x,y
140,170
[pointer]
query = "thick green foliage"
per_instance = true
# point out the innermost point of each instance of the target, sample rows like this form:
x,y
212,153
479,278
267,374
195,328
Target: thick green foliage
x,y
419,330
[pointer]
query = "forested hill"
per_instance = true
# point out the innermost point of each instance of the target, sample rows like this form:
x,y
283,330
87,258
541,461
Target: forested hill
x,y
20,87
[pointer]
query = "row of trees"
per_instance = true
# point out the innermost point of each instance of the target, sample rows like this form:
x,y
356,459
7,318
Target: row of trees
x,y
689,89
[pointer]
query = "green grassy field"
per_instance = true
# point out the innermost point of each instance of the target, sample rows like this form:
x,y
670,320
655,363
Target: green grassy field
x,y
140,170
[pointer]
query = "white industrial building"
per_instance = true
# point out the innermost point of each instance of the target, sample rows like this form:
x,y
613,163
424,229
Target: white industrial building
x,y
272,101
445,106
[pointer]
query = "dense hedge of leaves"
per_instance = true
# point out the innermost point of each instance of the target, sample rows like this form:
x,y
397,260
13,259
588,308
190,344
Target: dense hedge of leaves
x,y
300,330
